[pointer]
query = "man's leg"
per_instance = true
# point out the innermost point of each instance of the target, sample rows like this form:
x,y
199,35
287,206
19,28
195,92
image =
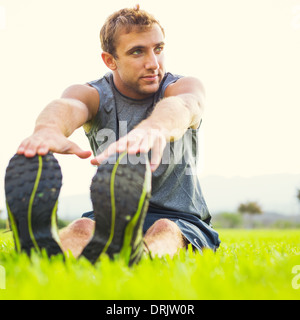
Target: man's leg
x,y
32,186
164,237
76,235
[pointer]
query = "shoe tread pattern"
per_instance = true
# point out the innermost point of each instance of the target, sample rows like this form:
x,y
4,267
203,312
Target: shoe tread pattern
x,y
128,186
20,178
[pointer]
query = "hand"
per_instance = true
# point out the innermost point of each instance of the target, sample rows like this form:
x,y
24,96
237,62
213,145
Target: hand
x,y
142,139
47,139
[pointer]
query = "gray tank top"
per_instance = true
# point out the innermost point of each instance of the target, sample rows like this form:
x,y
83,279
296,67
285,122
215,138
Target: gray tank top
x,y
175,184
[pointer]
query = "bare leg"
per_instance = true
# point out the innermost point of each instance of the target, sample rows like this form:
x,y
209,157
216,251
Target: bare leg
x,y
164,237
76,235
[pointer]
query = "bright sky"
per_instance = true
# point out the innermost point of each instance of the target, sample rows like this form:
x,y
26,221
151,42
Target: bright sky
x,y
245,52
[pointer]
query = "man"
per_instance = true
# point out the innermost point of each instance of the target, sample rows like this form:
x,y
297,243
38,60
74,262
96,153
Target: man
x,y
136,109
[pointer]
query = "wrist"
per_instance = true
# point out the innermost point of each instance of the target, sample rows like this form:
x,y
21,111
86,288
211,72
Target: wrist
x,y
169,134
152,125
46,127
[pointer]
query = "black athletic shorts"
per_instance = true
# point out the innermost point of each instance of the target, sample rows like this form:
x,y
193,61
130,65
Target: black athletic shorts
x,y
196,231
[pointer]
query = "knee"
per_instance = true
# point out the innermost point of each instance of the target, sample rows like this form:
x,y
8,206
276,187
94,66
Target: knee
x,y
163,226
82,226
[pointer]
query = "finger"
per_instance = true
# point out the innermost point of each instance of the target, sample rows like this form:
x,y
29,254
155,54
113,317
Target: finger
x,y
43,149
146,144
21,147
83,154
134,147
30,148
95,162
105,154
135,139
121,144
73,148
156,153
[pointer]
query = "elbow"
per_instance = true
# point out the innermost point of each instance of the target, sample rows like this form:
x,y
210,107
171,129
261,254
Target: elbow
x,y
197,115
58,103
195,107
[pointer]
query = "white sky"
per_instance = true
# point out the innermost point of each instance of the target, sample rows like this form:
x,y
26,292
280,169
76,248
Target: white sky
x,y
245,52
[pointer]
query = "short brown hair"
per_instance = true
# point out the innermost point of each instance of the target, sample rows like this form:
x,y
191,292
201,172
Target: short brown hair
x,y
128,18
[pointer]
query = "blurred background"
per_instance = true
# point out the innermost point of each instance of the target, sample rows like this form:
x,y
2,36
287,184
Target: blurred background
x,y
245,52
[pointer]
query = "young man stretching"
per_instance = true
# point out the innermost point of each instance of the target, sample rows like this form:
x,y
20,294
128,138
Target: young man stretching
x,y
135,110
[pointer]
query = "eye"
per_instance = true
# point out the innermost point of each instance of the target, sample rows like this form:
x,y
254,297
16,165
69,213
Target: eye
x,y
159,49
136,52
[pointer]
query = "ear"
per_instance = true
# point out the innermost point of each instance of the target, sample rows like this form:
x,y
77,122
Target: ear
x,y
109,61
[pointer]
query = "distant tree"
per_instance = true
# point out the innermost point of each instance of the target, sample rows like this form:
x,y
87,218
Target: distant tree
x,y
250,207
298,195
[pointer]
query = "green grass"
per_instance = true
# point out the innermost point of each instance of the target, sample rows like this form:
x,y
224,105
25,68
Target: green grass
x,y
250,264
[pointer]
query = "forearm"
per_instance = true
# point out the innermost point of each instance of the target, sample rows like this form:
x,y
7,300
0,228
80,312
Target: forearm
x,y
174,115
64,115
55,123
181,109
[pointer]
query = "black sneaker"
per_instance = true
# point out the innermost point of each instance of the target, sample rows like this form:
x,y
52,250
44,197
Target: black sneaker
x,y
32,186
120,195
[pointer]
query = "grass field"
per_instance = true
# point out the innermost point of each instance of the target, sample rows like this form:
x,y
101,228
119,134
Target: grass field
x,y
250,264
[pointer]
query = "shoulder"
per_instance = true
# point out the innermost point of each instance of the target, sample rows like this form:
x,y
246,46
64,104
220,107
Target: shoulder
x,y
80,91
86,94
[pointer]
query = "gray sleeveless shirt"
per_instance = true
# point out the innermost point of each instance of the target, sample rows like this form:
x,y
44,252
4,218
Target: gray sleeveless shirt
x,y
175,184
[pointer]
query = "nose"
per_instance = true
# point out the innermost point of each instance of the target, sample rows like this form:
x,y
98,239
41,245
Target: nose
x,y
152,61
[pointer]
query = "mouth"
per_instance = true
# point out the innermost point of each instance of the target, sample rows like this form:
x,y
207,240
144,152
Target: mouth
x,y
152,77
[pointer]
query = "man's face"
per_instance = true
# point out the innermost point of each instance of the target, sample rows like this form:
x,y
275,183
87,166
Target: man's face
x,y
140,62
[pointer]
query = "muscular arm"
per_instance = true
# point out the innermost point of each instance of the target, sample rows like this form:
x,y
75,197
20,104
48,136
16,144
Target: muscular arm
x,y
181,109
59,120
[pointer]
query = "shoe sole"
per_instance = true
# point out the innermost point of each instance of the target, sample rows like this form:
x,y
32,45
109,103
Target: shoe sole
x,y
120,195
32,187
